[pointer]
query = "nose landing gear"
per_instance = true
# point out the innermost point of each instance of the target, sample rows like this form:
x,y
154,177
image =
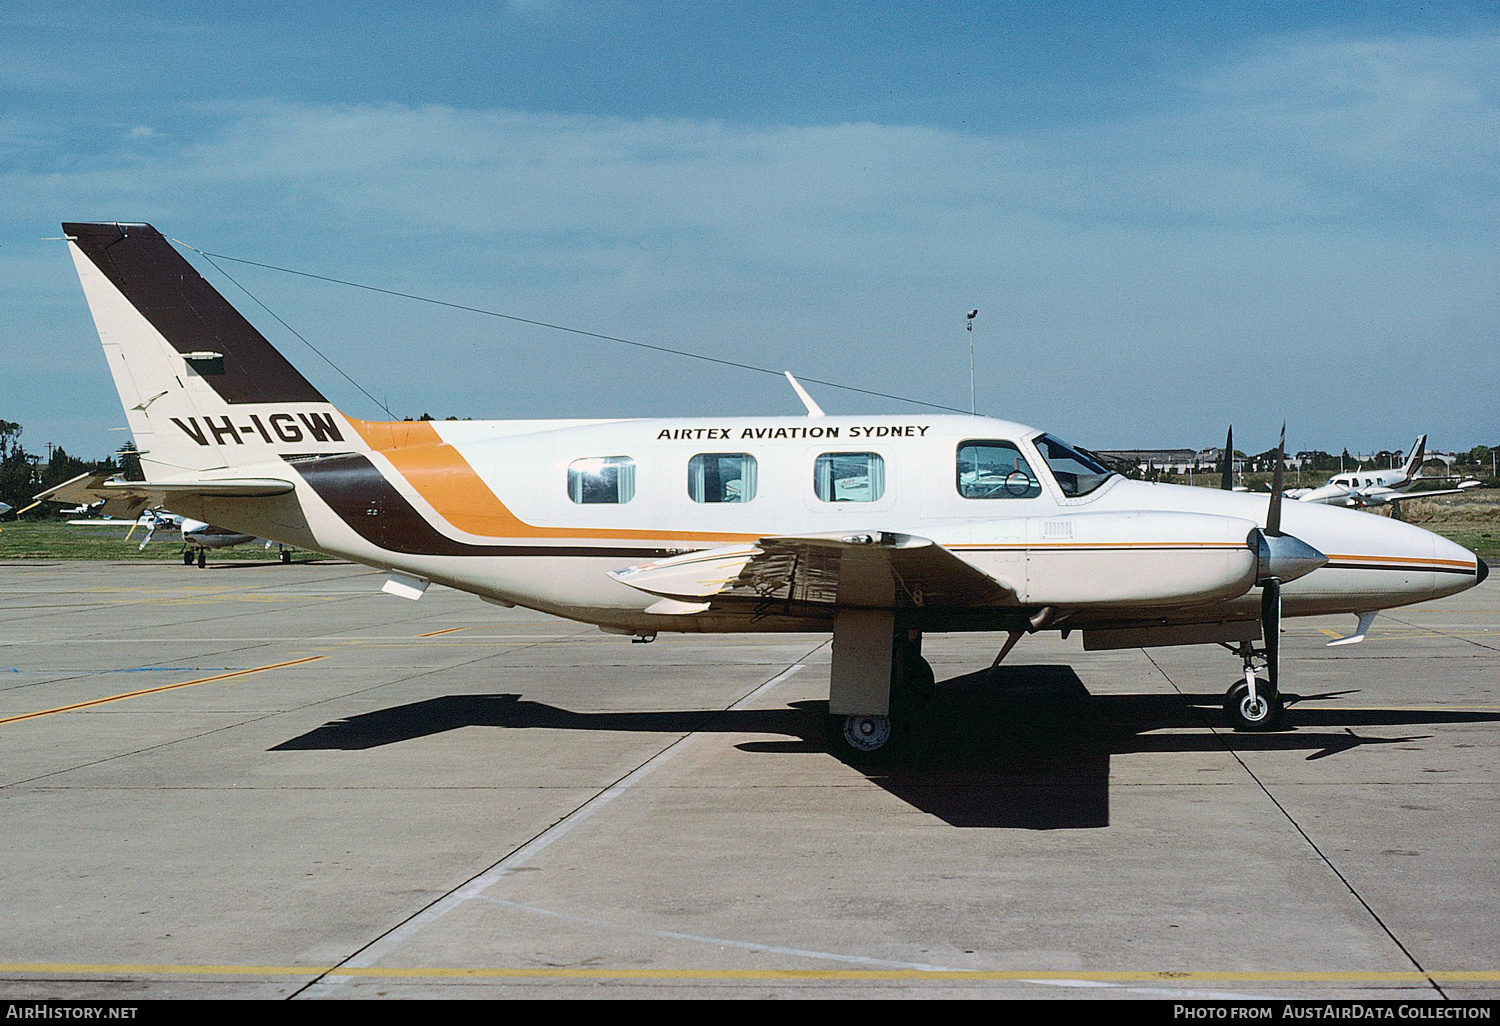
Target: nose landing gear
x,y
1254,704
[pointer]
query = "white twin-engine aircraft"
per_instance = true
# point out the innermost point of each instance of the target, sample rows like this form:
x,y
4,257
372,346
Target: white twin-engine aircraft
x,y
1366,488
878,529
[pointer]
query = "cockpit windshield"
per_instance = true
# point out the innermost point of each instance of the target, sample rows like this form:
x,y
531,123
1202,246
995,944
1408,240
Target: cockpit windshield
x,y
1076,473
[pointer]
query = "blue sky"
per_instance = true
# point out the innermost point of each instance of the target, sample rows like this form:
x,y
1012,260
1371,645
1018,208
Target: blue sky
x,y
1170,216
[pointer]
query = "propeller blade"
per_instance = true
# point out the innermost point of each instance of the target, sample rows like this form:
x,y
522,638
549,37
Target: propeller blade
x,y
132,529
1270,629
1273,511
1226,471
146,540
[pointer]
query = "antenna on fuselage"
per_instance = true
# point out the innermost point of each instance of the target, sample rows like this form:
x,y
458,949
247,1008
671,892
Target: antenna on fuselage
x,y
813,409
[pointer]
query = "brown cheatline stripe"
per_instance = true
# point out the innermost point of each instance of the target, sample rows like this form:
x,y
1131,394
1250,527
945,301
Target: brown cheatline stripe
x,y
152,691
1462,564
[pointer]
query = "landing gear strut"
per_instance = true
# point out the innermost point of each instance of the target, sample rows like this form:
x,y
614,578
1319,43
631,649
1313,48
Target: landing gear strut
x,y
879,681
1254,704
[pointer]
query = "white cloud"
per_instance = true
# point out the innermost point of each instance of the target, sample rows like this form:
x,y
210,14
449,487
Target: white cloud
x,y
1306,212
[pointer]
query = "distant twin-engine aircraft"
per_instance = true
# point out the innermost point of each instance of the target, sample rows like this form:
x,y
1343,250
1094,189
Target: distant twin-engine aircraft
x,y
879,529
100,492
1365,488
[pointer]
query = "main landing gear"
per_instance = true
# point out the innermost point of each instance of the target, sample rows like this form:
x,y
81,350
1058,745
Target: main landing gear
x,y
880,680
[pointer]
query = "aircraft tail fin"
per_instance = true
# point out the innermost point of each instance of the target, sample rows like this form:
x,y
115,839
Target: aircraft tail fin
x,y
1413,468
202,389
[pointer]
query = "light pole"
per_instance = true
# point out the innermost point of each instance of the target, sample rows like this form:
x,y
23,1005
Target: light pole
x,y
969,326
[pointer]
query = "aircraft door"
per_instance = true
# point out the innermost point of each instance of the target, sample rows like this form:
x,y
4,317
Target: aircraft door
x,y
981,479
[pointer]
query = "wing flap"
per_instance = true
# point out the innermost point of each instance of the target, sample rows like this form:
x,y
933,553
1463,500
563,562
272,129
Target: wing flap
x,y
879,569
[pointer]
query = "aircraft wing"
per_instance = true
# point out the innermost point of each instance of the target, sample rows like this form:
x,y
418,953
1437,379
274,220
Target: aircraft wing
x,y
1405,496
878,569
130,498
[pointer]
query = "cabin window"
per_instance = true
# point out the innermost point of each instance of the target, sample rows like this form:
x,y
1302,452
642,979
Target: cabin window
x,y
1076,472
849,477
995,470
722,477
602,479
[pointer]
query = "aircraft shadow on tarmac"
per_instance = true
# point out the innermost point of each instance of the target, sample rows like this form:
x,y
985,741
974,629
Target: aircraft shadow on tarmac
x,y
1027,747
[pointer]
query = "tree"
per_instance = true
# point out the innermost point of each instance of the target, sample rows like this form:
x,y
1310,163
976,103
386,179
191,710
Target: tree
x,y
61,467
18,475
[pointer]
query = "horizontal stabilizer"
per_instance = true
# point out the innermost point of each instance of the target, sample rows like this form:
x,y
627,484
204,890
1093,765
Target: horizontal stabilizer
x,y
878,569
128,498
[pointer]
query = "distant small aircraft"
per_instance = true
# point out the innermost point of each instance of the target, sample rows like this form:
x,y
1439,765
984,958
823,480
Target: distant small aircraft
x,y
198,536
1362,489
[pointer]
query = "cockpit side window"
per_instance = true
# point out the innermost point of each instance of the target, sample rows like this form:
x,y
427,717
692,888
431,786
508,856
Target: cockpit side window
x,y
995,470
1076,473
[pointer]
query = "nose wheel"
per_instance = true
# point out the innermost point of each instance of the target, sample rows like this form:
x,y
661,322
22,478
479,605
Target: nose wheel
x,y
1253,706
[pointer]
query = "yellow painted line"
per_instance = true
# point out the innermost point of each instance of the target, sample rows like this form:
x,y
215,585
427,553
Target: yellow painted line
x,y
153,691
450,630
1397,708
958,975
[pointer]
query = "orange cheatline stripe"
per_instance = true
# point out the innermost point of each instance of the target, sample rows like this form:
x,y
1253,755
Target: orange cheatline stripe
x,y
442,476
152,691
1465,564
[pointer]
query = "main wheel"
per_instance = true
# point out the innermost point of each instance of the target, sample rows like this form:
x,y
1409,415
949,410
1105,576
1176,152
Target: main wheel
x,y
860,738
1263,713
187,557
286,555
202,558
